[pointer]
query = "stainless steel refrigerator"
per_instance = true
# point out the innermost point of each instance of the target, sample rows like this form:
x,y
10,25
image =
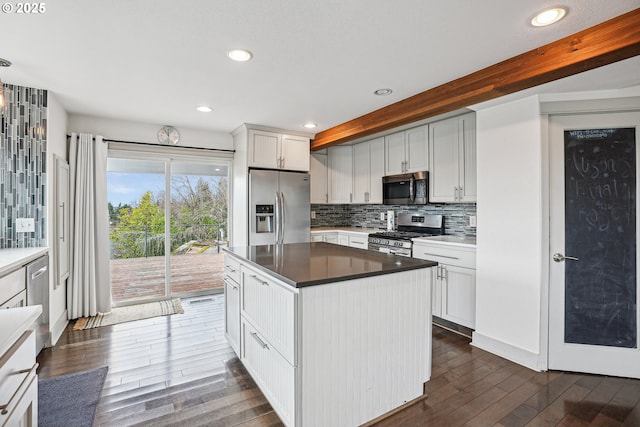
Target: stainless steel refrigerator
x,y
279,207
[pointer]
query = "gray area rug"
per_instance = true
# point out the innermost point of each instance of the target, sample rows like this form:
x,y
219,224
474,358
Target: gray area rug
x,y
70,400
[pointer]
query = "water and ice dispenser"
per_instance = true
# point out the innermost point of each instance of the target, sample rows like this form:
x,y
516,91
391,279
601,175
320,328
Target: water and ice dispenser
x,y
264,218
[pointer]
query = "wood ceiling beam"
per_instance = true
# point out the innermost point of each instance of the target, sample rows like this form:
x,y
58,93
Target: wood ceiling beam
x,y
603,44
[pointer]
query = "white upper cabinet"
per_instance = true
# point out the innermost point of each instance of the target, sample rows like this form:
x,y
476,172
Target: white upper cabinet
x,y
368,170
394,151
319,177
407,151
340,165
277,151
417,149
452,160
294,153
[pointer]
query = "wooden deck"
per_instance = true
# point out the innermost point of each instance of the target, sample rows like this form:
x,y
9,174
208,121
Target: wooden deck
x,y
136,278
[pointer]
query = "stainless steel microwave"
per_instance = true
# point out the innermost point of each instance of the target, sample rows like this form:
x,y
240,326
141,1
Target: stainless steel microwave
x,y
406,189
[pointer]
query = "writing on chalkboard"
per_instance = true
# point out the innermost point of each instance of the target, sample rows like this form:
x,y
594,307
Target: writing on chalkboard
x,y
591,133
600,230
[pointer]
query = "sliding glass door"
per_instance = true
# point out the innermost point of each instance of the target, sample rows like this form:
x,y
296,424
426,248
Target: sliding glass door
x,y
167,225
198,214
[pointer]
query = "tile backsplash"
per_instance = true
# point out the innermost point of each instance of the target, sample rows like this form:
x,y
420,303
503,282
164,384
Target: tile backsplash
x,y
23,144
456,216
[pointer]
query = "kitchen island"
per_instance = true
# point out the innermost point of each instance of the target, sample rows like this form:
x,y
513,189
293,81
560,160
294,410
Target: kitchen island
x,y
332,335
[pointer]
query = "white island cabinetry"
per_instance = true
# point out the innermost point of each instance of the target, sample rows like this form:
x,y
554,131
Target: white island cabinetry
x,y
268,317
312,349
232,302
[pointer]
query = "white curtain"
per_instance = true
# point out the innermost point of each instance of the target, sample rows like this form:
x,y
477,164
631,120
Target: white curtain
x,y
89,286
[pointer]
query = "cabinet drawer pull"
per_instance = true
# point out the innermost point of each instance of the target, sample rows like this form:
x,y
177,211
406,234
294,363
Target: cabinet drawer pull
x,y
253,276
260,342
357,242
231,269
4,409
441,256
230,283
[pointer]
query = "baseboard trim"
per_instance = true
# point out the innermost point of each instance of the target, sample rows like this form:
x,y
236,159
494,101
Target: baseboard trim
x,y
59,327
506,351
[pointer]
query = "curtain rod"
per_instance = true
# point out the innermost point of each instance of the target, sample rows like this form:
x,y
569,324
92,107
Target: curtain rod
x,y
158,145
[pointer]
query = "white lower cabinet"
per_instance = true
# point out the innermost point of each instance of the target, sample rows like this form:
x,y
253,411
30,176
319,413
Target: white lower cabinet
x,y
19,300
268,315
344,238
328,237
232,302
458,287
19,383
271,371
232,314
270,307
454,281
359,241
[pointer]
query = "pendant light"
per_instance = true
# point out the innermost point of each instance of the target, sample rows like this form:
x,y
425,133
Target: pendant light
x,y
4,98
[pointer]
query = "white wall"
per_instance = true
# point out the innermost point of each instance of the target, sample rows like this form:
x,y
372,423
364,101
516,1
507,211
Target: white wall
x,y
56,145
143,132
511,230
240,203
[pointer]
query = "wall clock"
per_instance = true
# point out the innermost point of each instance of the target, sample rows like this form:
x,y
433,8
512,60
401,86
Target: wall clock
x,y
168,135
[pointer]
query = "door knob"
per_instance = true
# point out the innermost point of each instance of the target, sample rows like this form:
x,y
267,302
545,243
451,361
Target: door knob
x,y
558,257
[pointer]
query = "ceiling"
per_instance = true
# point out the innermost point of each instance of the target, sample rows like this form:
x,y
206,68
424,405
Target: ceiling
x,y
155,61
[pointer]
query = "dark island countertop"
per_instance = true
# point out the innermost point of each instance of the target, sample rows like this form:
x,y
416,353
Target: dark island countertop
x,y
317,263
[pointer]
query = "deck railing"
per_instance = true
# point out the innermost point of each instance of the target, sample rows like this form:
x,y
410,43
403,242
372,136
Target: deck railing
x,y
149,240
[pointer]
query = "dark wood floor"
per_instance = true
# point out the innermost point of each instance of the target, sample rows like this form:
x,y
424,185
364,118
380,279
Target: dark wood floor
x,y
178,370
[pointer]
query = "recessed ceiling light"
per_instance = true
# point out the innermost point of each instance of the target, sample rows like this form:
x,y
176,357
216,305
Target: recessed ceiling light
x,y
383,92
310,125
204,109
548,17
240,55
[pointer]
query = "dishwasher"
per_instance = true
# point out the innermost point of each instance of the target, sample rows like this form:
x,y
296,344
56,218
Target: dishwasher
x,y
38,293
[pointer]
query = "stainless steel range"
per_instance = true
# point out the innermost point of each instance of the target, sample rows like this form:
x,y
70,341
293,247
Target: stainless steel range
x,y
409,226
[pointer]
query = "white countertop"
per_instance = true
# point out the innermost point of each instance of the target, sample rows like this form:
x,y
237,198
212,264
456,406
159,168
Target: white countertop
x,y
14,258
448,240
13,323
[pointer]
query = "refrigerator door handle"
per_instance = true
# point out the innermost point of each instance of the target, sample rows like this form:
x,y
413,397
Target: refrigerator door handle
x,y
277,218
282,217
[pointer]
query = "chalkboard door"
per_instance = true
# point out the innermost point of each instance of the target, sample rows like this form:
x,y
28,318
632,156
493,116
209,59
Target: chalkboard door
x,y
593,306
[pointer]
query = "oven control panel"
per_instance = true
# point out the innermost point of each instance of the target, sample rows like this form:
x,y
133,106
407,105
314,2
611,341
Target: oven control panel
x,y
389,242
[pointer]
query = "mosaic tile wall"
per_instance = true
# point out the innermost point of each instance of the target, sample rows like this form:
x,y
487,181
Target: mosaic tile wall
x,y
23,144
456,216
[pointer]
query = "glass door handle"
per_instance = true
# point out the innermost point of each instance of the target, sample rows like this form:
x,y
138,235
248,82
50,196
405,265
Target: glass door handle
x,y
558,257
